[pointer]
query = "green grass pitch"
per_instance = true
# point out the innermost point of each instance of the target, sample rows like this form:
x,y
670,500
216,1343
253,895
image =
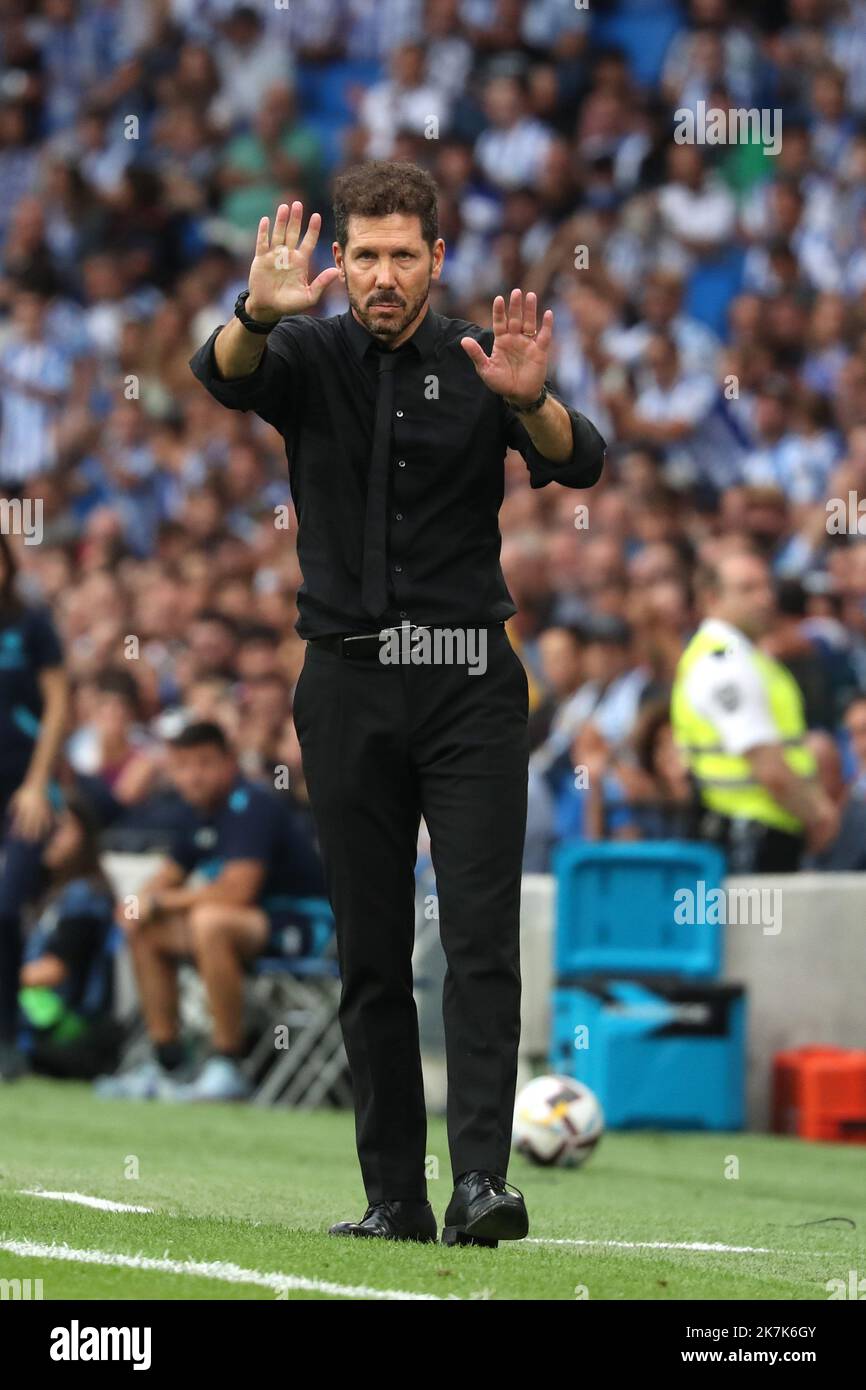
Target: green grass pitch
x,y
240,1201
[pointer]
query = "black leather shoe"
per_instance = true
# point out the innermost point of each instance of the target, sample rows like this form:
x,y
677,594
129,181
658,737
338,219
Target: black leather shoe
x,y
483,1212
392,1221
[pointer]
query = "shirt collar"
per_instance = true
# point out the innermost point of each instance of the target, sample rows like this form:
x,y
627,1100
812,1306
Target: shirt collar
x,y
423,340
717,627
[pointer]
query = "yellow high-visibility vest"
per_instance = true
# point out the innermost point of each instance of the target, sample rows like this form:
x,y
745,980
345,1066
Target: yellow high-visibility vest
x,y
726,781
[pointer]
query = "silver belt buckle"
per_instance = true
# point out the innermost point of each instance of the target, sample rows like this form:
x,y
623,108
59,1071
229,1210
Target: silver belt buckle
x,y
385,632
405,626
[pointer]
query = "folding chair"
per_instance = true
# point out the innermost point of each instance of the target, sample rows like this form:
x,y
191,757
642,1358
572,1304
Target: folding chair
x,y
301,994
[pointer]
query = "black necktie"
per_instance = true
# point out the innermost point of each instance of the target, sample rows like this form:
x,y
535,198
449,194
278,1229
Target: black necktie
x,y
374,584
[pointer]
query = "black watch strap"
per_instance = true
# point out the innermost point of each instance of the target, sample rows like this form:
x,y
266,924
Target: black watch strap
x,y
252,324
533,405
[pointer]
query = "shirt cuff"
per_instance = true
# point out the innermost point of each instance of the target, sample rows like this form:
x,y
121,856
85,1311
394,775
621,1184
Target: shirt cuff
x,y
243,393
584,465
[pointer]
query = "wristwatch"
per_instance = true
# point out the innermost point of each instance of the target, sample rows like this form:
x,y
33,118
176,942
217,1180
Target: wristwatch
x,y
252,324
533,405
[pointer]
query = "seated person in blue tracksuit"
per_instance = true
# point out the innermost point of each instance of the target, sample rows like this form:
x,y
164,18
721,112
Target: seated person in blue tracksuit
x,y
219,899
66,1028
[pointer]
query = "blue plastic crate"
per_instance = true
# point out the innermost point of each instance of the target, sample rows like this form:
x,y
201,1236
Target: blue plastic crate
x,y
618,904
658,1054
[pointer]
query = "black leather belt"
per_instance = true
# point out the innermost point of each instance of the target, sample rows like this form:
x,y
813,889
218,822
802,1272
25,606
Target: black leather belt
x,y
366,646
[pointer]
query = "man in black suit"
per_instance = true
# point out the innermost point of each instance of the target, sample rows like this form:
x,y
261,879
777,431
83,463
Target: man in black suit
x,y
411,700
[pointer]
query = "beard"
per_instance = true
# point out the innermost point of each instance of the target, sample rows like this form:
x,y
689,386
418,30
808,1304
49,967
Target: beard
x,y
386,329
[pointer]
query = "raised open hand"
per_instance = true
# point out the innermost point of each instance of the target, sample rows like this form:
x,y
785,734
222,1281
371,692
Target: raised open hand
x,y
279,275
517,366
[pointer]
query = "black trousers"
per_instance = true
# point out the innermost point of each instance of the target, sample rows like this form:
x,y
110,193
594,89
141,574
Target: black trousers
x,y
382,745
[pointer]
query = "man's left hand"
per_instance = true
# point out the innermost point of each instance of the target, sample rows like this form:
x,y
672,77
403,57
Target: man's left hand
x,y
517,366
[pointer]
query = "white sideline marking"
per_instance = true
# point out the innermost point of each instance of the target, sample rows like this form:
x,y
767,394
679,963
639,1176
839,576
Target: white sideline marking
x,y
708,1247
101,1203
217,1269
703,1245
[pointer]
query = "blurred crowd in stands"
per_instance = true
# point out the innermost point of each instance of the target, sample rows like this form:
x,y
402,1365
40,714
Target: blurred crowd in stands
x,y
710,304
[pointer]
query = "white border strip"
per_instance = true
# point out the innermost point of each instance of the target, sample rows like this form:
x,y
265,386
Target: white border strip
x,y
81,1199
223,1272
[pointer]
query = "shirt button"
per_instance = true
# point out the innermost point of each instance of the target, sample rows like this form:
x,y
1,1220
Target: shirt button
x,y
398,516
399,415
401,463
399,569
403,613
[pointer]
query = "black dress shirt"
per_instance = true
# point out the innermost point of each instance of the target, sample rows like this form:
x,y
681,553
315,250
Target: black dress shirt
x,y
317,383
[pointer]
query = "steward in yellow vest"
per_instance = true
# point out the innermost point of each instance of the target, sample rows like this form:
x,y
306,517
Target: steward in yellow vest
x,y
737,718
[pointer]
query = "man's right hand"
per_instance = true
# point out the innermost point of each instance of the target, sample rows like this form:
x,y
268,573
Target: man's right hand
x,y
279,275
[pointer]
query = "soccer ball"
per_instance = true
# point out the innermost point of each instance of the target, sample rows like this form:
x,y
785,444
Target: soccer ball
x,y
557,1121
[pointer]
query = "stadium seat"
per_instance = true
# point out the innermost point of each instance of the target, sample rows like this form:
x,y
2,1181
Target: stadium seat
x,y
711,286
336,81
644,38
324,99
307,88
331,132
647,7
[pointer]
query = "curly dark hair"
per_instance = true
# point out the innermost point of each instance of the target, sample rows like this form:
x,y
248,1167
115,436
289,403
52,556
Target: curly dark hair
x,y
383,186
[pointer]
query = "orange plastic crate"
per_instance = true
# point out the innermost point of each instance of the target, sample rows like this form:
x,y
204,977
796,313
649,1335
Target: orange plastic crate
x,y
820,1093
